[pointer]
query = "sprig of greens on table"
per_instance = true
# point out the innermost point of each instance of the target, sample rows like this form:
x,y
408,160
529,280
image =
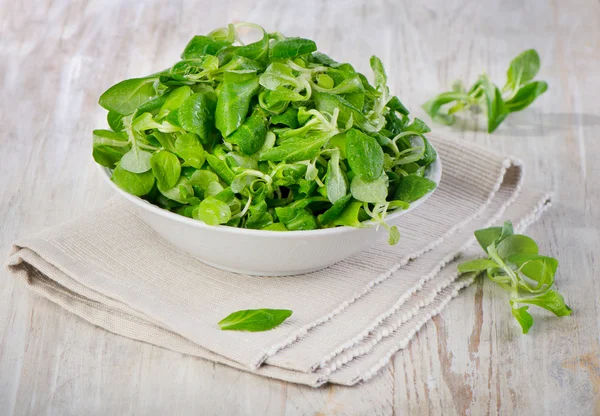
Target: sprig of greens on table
x,y
518,93
514,263
270,135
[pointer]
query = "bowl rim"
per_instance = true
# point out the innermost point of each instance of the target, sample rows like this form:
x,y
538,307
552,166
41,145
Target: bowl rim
x,y
434,170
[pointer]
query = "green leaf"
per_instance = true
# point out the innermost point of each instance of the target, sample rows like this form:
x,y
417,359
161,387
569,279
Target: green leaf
x,y
393,235
292,47
523,68
379,73
516,244
295,150
108,156
166,168
395,104
507,230
174,100
126,96
429,156
220,168
523,318
109,147
277,226
173,118
251,135
279,75
191,69
487,236
234,100
196,115
115,121
138,184
227,196
259,216
496,109
335,211
288,118
207,181
343,79
189,148
398,205
336,184
136,160
289,174
147,121
271,103
327,103
199,46
203,178
412,187
258,50
521,258
551,301
375,191
166,140
241,65
182,192
476,265
364,154
213,211
296,218
459,106
415,151
349,215
339,141
185,210
254,320
323,59
151,106
284,95
325,81
434,106
526,95
418,126
539,268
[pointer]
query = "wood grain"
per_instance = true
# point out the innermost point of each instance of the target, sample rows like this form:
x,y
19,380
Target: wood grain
x,y
56,57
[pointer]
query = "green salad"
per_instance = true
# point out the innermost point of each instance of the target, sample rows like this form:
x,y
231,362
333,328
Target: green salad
x,y
269,135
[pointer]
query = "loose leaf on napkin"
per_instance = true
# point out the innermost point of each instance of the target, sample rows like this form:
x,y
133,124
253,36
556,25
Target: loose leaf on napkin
x,y
254,320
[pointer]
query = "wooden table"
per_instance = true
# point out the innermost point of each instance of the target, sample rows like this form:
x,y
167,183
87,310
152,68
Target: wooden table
x,y
57,57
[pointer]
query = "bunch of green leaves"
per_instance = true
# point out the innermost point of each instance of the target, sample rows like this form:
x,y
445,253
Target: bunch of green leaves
x,y
518,93
268,135
513,262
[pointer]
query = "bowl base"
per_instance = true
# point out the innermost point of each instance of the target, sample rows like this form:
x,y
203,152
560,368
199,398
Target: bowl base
x,y
261,273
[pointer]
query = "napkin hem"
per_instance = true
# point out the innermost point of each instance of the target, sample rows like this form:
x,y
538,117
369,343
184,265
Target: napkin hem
x,y
544,204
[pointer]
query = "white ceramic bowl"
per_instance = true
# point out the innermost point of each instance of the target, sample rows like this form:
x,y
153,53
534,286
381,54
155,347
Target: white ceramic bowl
x,y
257,252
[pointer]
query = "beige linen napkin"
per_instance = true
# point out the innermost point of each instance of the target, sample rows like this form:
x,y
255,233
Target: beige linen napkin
x,y
111,269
